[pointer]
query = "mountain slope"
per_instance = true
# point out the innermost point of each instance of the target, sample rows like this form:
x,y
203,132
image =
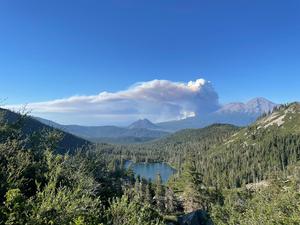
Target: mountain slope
x,y
112,134
228,156
198,135
270,144
174,147
285,120
69,142
144,124
127,136
254,106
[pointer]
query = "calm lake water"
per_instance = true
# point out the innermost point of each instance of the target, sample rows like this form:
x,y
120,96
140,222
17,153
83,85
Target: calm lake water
x,y
150,170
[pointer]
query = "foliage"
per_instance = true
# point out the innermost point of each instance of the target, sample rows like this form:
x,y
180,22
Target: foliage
x,y
16,207
126,212
276,204
239,176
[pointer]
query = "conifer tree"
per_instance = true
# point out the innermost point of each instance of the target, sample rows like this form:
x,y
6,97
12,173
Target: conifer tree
x,y
159,193
148,195
195,194
170,201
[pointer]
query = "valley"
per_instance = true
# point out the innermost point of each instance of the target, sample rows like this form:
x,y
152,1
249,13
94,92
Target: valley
x,y
130,112
222,170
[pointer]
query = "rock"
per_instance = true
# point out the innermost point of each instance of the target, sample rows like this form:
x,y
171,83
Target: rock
x,y
198,217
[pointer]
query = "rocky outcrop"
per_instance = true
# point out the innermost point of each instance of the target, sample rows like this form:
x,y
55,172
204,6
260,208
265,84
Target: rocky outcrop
x,y
198,217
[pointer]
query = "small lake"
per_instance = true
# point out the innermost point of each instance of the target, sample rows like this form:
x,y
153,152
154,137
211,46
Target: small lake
x,y
150,170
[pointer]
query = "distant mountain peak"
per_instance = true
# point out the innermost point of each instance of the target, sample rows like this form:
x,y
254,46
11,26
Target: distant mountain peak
x,y
236,113
259,100
257,105
143,124
260,105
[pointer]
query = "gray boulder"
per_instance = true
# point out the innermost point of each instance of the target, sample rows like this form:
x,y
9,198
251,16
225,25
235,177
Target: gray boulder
x,y
198,217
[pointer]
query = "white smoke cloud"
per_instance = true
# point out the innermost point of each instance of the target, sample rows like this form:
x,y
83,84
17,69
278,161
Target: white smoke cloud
x,y
157,100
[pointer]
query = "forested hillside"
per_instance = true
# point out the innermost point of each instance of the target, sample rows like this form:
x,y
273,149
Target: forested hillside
x,y
255,152
177,145
31,126
225,176
228,155
39,185
238,175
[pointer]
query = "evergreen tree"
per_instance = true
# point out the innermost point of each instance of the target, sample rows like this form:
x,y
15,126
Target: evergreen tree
x,y
126,212
159,193
195,194
130,174
148,195
170,201
137,189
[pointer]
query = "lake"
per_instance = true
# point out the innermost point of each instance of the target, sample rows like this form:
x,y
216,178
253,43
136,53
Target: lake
x,y
150,170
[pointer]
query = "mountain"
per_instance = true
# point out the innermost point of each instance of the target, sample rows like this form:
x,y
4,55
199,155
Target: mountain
x,y
239,114
174,147
112,134
269,145
283,121
69,142
255,106
197,135
231,156
48,122
135,133
144,124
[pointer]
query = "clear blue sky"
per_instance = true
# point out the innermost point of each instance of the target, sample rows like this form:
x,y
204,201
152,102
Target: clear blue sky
x,y
58,48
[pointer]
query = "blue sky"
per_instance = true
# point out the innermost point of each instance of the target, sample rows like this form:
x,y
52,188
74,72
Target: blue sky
x,y
61,48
